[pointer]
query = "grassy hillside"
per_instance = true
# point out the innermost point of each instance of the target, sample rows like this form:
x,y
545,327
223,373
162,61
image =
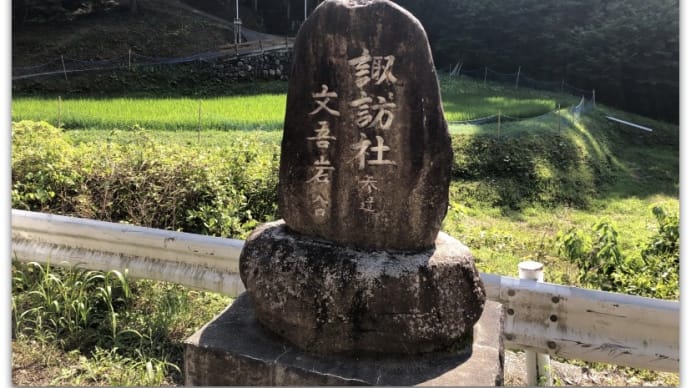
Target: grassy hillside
x,y
162,28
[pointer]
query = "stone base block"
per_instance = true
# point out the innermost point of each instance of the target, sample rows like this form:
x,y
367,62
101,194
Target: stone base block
x,y
328,299
234,349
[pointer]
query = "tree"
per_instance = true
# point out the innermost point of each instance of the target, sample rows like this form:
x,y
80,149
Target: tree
x,y
625,49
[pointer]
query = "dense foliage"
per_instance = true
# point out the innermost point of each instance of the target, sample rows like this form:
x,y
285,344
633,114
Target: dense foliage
x,y
543,167
225,190
133,178
652,272
628,50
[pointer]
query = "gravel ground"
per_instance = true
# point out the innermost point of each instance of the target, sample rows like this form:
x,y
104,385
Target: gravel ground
x,y
574,375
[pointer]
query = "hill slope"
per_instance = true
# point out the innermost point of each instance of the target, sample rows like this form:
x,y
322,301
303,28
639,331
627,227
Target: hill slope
x,y
162,28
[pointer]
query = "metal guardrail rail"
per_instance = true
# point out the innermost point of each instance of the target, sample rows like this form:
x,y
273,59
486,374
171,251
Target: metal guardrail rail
x,y
558,320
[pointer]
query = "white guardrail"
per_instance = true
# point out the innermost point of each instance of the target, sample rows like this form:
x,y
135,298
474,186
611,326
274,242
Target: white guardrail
x,y
563,321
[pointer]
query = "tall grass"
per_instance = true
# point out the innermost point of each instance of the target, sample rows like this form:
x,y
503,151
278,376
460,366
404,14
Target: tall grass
x,y
124,332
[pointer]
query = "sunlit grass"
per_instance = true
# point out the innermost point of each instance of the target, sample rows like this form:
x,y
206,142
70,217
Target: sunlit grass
x,y
265,111
463,99
501,240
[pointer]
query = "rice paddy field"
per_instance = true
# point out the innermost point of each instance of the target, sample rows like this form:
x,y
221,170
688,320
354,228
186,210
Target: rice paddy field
x,y
463,100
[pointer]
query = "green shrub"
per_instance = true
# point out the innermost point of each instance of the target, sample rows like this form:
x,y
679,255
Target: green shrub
x,y
131,177
653,271
42,168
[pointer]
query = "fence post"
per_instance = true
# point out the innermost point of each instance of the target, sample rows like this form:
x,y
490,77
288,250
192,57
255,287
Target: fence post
x,y
237,50
59,111
129,60
486,69
538,365
594,98
64,70
558,117
459,69
499,124
517,79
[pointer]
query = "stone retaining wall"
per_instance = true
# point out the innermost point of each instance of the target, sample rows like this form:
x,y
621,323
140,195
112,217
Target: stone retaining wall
x,y
274,65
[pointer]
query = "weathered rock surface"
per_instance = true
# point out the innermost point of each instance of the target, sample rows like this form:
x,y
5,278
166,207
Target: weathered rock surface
x,y
366,154
329,299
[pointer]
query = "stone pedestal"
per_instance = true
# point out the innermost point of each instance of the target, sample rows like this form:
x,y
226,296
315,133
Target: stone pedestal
x,y
234,349
332,299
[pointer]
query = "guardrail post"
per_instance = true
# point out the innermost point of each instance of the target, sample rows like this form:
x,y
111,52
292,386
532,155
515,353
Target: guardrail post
x,y
538,365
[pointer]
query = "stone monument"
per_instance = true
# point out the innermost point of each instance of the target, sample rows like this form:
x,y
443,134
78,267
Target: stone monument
x,y
357,275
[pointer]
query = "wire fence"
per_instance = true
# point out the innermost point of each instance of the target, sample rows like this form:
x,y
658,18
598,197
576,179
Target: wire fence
x,y
519,79
62,66
584,106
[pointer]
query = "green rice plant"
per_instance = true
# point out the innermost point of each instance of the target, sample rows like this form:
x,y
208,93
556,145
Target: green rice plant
x,y
254,112
463,99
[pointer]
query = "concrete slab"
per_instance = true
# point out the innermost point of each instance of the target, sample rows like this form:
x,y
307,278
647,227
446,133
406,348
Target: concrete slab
x,y
234,349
